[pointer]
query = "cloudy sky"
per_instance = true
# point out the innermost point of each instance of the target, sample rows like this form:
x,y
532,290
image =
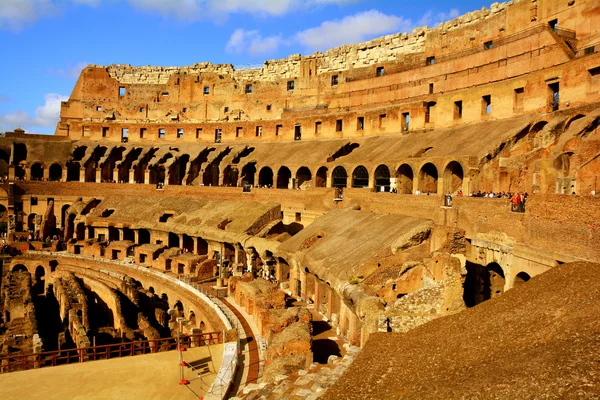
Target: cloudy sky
x,y
46,43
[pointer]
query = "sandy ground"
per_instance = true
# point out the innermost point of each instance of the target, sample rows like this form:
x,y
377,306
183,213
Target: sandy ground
x,y
154,376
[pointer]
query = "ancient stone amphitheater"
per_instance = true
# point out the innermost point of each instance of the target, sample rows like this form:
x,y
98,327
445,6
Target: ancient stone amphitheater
x,y
313,217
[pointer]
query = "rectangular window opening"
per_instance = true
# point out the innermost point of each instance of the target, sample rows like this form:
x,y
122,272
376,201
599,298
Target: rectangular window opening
x,y
488,45
318,127
142,133
198,133
519,93
298,217
380,71
161,133
360,123
226,109
430,60
278,130
334,80
339,125
206,90
179,133
142,109
98,108
298,132
248,89
238,131
405,121
258,131
269,107
458,108
486,105
122,91
34,201
105,131
431,88
124,135
218,135
594,71
290,85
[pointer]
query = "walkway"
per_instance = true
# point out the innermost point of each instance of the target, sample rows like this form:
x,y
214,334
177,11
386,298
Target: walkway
x,y
250,346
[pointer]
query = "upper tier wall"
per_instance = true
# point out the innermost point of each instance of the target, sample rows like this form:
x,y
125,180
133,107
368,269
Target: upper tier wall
x,y
390,48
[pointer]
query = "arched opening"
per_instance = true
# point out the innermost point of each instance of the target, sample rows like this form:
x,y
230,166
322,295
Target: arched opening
x,y
31,222
178,169
497,280
73,171
303,177
521,278
573,119
230,176
55,173
173,240
321,180
202,246
404,179
283,178
179,307
360,177
37,172
562,164
211,175
113,233
428,179
536,128
340,177
265,177
157,175
248,173
382,178
128,234
482,283
39,282
4,161
90,172
188,243
453,177
80,231
143,236
19,268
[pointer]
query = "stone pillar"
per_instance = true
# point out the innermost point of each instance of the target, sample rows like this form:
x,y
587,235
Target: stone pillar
x,y
82,174
147,176
317,296
132,175
115,174
441,187
372,182
416,182
64,174
136,236
46,173
329,180
98,175
11,172
120,230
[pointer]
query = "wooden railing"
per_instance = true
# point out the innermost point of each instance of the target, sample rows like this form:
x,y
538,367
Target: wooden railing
x,y
23,362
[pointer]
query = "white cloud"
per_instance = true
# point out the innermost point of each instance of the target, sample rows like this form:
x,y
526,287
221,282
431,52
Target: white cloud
x,y
253,43
46,115
15,14
352,29
432,19
71,71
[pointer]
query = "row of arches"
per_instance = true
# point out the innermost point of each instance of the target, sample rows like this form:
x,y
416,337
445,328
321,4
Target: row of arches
x,y
360,178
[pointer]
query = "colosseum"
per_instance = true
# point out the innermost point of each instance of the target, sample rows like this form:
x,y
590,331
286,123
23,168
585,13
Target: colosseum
x,y
415,216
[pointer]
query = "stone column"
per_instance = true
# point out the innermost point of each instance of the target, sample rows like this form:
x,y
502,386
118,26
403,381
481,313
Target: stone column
x,y
46,173
132,175
64,174
98,175
147,176
330,180
11,172
136,236
115,174
82,172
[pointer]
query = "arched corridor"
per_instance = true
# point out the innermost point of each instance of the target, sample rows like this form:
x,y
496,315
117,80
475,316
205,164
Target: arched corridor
x,y
283,178
360,177
453,177
482,283
303,176
37,172
321,180
340,177
265,177
248,174
428,178
382,178
404,179
55,173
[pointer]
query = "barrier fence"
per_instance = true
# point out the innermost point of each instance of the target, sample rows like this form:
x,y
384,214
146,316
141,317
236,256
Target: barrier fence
x,y
104,352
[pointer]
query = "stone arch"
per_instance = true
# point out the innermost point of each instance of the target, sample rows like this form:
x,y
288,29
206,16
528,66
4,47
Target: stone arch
x,y
55,172
211,175
405,177
37,171
283,178
4,161
19,268
173,240
536,128
453,177
230,176
382,178
321,180
31,222
248,174
339,177
572,119
38,283
265,177
521,278
428,178
360,177
562,164
73,171
497,279
482,283
178,169
143,236
303,176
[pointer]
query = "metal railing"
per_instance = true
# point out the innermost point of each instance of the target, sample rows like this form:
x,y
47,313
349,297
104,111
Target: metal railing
x,y
104,352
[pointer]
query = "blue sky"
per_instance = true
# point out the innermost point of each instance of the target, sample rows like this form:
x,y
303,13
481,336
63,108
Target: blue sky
x,y
46,43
